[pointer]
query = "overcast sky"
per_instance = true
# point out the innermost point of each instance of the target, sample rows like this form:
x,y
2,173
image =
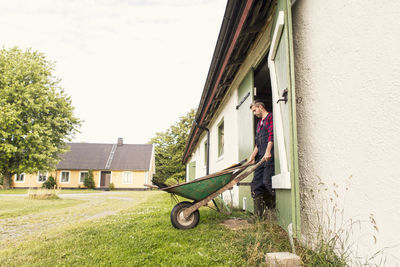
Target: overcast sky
x,y
132,67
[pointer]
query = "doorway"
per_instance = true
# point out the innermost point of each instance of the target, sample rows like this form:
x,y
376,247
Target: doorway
x,y
262,86
105,178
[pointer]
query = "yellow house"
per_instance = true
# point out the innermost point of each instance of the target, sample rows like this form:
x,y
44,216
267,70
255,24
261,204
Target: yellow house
x,y
126,166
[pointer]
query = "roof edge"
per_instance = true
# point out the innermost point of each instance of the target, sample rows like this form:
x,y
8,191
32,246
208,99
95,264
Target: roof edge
x,y
222,53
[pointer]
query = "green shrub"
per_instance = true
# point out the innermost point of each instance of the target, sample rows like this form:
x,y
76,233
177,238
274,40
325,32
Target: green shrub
x,y
50,183
111,186
171,181
89,181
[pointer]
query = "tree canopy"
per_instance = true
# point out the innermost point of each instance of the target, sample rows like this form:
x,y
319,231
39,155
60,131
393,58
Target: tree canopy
x,y
169,147
36,116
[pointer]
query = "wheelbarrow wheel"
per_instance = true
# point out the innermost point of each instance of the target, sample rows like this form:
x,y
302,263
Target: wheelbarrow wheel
x,y
179,221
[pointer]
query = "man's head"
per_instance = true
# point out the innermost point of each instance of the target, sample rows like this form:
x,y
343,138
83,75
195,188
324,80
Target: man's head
x,y
258,108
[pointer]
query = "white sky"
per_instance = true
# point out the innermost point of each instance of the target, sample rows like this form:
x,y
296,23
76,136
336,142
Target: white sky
x,y
132,67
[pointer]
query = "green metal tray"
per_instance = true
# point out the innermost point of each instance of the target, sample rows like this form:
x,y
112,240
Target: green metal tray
x,y
200,188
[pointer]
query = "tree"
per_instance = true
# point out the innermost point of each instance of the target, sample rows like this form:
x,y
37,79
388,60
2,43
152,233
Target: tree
x,y
169,147
36,116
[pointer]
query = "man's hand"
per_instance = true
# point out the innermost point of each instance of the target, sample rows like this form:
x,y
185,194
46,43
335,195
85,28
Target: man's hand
x,y
267,156
251,161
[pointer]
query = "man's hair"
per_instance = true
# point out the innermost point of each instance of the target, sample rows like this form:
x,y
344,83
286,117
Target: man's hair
x,y
257,103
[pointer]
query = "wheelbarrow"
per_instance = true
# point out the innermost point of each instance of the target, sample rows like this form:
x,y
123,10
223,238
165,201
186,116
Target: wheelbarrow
x,y
186,215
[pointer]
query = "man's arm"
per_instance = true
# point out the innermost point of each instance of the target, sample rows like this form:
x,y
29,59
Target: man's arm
x,y
253,155
267,154
270,130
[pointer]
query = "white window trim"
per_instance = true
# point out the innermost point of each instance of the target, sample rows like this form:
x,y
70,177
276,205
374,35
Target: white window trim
x,y
80,176
218,144
19,182
41,182
123,178
69,177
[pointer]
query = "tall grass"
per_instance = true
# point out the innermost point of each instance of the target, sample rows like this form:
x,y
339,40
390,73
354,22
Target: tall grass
x,y
332,240
43,193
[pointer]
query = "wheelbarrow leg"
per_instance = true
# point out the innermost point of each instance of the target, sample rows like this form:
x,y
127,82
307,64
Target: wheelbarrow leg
x,y
215,204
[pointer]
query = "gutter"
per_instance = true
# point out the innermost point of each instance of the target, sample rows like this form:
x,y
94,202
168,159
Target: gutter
x,y
221,70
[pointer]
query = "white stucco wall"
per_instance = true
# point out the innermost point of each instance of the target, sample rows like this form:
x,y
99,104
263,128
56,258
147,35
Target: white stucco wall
x,y
228,113
348,77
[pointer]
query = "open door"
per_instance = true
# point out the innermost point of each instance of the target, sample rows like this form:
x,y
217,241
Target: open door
x,y
246,136
281,65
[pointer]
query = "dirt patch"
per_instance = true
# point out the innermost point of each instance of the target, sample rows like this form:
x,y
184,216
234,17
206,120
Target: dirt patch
x,y
237,224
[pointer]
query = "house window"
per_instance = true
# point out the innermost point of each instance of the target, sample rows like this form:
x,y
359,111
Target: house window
x,y
221,139
42,177
64,177
83,176
146,177
20,178
127,178
192,170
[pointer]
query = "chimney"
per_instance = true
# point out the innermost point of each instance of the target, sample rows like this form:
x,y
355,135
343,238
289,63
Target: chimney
x,y
120,141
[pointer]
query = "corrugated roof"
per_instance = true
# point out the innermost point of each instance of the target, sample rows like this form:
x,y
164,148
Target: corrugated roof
x,y
90,156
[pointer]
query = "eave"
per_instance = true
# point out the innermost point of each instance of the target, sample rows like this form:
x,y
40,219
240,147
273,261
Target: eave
x,y
242,22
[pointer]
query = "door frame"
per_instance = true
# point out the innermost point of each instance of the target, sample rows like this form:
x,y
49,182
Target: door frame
x,y
288,180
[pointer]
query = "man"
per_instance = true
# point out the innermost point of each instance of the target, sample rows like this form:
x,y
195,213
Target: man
x,y
261,186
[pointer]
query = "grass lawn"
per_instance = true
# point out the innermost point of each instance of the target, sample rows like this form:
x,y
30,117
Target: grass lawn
x,y
61,191
144,236
14,207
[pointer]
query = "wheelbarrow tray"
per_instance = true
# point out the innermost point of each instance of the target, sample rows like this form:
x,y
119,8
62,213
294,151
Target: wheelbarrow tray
x,y
185,215
200,188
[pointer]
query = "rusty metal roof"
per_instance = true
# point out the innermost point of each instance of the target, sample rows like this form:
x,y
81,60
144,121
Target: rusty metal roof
x,y
92,156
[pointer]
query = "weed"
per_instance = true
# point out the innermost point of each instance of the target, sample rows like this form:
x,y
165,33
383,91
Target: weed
x,y
111,186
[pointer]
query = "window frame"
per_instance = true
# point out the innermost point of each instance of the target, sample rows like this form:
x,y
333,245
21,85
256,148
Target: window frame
x,y
123,177
69,177
38,176
18,175
221,141
80,173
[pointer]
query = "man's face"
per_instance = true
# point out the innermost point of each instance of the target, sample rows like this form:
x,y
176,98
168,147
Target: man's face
x,y
256,111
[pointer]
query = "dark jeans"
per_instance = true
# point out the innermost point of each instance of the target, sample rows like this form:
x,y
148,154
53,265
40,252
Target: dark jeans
x,y
262,181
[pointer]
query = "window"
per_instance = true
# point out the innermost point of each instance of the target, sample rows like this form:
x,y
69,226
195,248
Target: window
x,y
20,178
83,176
42,177
127,178
64,177
221,139
205,153
192,170
146,177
